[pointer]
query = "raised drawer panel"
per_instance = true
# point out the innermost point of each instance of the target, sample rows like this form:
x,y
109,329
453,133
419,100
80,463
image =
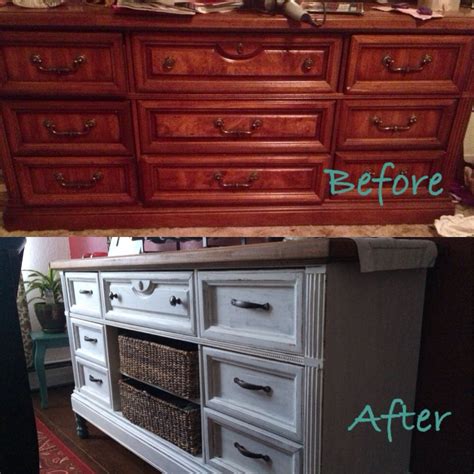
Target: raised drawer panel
x,y
231,443
158,300
83,294
395,124
255,308
263,393
74,63
235,63
68,128
422,163
93,381
76,181
217,126
236,180
89,341
407,64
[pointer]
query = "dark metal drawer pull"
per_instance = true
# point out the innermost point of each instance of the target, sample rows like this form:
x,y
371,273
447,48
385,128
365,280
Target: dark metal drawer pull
x,y
249,454
88,126
37,60
113,296
90,339
93,379
250,386
388,62
251,178
174,301
256,124
249,305
168,63
393,128
85,292
59,177
307,65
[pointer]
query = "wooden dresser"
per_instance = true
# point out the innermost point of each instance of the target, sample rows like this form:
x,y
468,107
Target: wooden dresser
x,y
293,341
127,121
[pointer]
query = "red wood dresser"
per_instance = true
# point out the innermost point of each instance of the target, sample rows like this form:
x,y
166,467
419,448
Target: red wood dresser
x,y
113,120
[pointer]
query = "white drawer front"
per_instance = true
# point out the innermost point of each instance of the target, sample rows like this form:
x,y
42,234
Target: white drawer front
x,y
159,300
264,393
93,381
229,443
89,341
227,312
83,294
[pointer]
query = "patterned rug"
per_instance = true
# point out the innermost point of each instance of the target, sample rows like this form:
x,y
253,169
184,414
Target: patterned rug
x,y
55,457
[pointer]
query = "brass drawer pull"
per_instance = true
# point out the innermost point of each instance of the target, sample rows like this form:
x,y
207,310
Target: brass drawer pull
x,y
220,179
61,180
85,292
168,63
93,379
370,171
249,454
256,124
307,65
388,62
77,62
403,172
249,305
174,301
251,386
90,339
393,128
51,127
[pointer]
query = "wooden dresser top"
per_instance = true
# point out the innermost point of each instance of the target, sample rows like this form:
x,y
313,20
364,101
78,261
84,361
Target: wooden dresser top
x,y
75,15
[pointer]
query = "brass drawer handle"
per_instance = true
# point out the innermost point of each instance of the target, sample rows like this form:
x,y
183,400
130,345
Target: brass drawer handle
x,y
90,339
249,454
249,304
403,172
174,301
85,292
61,180
370,171
93,379
307,65
168,63
393,128
220,179
256,124
77,62
51,127
389,62
251,386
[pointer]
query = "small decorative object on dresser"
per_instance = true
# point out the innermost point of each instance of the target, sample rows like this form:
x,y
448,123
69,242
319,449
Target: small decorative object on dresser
x,y
285,342
228,119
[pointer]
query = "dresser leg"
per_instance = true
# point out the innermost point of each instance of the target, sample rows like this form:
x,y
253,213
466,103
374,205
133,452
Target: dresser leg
x,y
81,427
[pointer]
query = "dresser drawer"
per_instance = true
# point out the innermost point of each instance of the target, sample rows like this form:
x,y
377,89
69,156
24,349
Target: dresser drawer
x,y
233,180
68,128
89,341
256,308
210,63
407,64
235,447
93,381
83,294
393,124
68,63
421,163
217,126
261,392
158,300
76,181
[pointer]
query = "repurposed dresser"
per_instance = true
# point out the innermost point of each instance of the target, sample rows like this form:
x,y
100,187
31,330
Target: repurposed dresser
x,y
127,121
293,342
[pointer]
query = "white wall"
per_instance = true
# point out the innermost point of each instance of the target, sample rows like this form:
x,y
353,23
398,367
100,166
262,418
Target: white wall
x,y
39,251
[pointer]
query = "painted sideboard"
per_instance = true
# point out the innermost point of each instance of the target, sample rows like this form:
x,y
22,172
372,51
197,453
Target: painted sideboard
x,y
293,342
127,121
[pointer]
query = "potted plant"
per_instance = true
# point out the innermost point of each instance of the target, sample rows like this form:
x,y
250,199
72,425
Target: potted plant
x,y
50,310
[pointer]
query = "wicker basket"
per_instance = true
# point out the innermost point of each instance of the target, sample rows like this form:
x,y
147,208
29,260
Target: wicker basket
x,y
172,366
174,419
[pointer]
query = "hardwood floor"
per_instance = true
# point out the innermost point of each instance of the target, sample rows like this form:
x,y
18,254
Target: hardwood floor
x,y
100,452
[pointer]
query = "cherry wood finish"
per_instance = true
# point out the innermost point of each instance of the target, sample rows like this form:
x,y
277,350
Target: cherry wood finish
x,y
225,119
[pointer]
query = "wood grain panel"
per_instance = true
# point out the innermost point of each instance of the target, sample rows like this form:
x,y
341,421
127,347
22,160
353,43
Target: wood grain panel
x,y
445,73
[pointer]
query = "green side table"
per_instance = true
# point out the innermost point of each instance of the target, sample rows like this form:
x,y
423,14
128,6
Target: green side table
x,y
41,342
